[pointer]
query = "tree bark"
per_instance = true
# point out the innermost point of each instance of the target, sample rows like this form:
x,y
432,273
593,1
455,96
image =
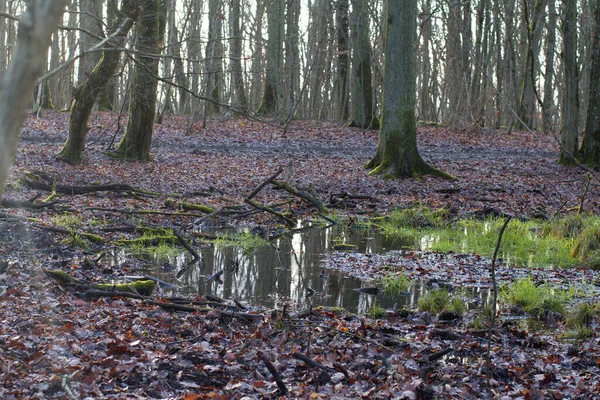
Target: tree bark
x,y
150,29
527,100
550,44
36,26
343,57
237,76
271,93
214,56
362,85
84,95
568,151
591,139
397,154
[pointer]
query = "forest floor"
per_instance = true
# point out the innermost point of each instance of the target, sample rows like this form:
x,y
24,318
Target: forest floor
x,y
58,342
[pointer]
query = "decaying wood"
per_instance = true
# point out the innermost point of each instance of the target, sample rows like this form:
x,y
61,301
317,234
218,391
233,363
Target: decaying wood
x,y
309,361
302,194
282,388
11,203
288,221
77,190
265,183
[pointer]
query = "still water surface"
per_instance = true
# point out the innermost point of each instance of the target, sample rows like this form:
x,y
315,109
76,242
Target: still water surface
x,y
271,278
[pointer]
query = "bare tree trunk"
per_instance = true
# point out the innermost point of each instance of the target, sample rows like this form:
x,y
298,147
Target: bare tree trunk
x,y
214,56
591,139
36,26
343,59
90,19
548,106
237,73
292,57
257,49
272,92
527,100
568,151
362,86
150,29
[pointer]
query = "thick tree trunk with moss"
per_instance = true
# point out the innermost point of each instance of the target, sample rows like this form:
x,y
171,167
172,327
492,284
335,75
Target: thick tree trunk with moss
x,y
590,147
397,154
84,95
150,29
568,151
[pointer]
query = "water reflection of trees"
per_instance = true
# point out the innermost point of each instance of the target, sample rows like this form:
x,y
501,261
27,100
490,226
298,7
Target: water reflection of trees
x,y
259,278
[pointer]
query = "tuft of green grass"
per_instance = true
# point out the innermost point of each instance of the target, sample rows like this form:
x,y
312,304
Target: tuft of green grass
x,y
582,315
434,301
395,284
579,332
76,240
568,241
245,240
535,300
377,312
456,306
67,220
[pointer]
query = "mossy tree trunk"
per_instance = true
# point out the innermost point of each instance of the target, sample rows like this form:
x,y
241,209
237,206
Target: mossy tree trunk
x,y
397,154
84,95
590,147
150,29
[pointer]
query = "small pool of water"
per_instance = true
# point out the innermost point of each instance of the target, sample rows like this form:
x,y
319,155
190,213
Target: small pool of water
x,y
292,275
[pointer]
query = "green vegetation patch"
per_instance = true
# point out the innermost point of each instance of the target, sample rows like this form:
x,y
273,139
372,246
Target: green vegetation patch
x,y
395,284
244,240
534,299
569,241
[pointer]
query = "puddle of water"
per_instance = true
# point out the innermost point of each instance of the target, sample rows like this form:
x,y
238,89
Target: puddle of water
x,y
257,278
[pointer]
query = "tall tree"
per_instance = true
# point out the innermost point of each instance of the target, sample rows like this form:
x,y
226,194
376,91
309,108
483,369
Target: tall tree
x,y
36,26
550,44
397,153
292,56
527,100
272,90
84,95
90,19
568,150
237,73
150,29
363,112
214,55
343,57
591,139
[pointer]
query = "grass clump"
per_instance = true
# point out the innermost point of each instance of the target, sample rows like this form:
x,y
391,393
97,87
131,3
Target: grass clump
x,y
566,242
245,240
582,315
395,284
434,301
532,299
377,312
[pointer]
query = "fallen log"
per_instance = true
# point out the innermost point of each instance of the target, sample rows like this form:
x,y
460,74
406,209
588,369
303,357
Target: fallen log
x,y
77,190
302,194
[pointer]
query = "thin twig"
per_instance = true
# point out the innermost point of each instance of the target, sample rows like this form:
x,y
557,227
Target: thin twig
x,y
495,293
